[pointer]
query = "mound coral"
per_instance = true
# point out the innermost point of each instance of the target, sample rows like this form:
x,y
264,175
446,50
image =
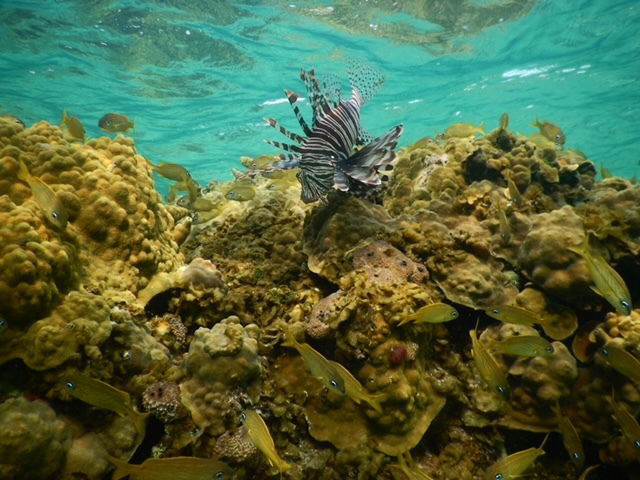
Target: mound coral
x,y
34,442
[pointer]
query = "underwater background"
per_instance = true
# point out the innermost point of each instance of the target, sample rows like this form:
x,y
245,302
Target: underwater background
x,y
409,280
197,77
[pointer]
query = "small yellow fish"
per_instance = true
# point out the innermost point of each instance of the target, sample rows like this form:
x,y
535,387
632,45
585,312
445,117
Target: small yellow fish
x,y
45,198
320,367
608,284
172,468
503,222
570,439
627,422
504,121
74,127
514,192
408,466
525,346
356,391
241,193
258,163
622,361
432,313
515,464
102,395
172,171
260,436
550,131
13,119
114,123
203,204
487,366
513,314
463,130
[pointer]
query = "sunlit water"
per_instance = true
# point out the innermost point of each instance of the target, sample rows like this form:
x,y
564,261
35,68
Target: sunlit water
x,y
197,77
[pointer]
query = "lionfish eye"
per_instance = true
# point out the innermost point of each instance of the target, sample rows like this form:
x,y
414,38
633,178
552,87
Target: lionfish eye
x,y
70,385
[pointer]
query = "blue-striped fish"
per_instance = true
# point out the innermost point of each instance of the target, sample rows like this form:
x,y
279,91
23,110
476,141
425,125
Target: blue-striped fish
x,y
327,156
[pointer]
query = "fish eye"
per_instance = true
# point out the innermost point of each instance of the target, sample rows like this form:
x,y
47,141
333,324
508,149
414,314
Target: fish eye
x,y
334,383
499,476
495,311
576,455
454,314
126,355
3,323
626,305
637,443
70,385
55,215
219,475
502,389
605,352
243,416
558,136
549,349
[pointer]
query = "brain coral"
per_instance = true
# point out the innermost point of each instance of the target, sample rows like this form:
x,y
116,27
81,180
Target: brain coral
x,y
33,442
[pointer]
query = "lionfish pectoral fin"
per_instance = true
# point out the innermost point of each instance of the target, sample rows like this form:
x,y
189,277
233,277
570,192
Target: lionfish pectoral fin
x,y
293,136
340,181
368,176
285,146
293,98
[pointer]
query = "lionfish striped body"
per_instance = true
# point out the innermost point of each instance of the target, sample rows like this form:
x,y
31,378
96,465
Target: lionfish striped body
x,y
326,155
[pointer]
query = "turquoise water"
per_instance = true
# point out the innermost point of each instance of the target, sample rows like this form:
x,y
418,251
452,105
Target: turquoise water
x,y
197,77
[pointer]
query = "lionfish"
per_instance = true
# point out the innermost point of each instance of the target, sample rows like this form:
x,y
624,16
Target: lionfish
x,y
327,155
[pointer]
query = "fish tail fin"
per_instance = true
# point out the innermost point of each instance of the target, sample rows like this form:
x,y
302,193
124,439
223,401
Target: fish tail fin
x,y
536,123
122,468
544,440
482,127
140,422
583,249
406,319
374,402
23,172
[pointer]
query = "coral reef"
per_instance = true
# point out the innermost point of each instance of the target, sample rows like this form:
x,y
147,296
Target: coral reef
x,y
183,309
